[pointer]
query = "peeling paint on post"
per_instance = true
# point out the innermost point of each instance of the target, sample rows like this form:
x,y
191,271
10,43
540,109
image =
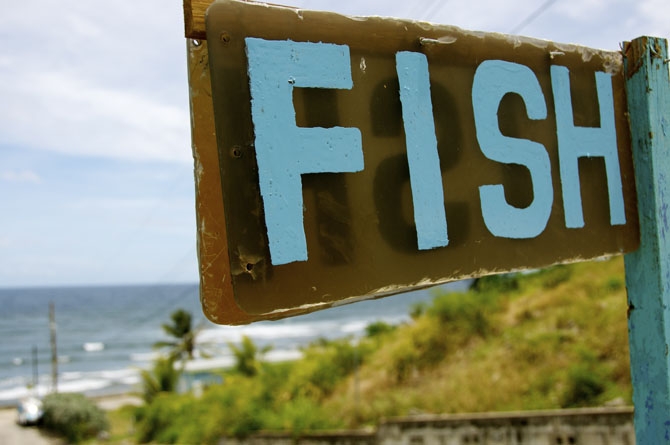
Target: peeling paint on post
x,y
648,269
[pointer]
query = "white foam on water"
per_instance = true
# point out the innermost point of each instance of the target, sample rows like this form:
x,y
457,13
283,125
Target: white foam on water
x,y
354,327
208,364
94,346
13,381
130,380
234,334
83,385
283,355
117,374
144,357
203,364
16,388
71,375
20,392
78,385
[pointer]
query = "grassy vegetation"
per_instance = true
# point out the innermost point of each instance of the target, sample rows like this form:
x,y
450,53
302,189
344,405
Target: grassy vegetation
x,y
73,417
555,338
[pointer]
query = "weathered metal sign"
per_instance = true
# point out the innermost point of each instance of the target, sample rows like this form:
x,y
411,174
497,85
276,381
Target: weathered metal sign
x,y
359,157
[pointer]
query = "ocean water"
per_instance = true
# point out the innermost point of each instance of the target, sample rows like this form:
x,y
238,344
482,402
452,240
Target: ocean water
x,y
105,334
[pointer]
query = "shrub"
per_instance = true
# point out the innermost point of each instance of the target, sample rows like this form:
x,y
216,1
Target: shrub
x,y
432,344
417,310
73,416
403,359
164,377
161,419
301,415
324,365
614,284
248,356
583,388
465,312
496,283
378,328
556,275
239,407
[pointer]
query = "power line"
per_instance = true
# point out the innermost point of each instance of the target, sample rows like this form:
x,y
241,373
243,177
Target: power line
x,y
434,11
139,322
535,14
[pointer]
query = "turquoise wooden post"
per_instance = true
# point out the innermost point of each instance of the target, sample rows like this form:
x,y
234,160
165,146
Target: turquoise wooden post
x,y
648,269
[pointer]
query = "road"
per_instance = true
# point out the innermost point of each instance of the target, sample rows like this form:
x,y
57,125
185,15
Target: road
x,y
13,434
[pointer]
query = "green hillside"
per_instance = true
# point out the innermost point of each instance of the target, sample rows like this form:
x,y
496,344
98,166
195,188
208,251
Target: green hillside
x,y
548,339
556,338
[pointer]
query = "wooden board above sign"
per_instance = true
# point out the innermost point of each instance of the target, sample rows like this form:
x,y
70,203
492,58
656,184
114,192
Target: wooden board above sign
x,y
359,157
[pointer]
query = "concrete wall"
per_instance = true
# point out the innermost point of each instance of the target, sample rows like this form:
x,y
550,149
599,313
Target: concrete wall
x,y
333,438
607,426
564,427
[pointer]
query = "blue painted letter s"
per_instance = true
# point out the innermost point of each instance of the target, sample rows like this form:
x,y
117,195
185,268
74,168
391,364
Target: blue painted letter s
x,y
493,80
283,151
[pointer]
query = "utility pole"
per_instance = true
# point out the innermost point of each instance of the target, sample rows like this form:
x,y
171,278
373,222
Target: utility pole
x,y
35,372
54,352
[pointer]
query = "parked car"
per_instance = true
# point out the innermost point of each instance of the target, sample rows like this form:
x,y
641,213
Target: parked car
x,y
29,411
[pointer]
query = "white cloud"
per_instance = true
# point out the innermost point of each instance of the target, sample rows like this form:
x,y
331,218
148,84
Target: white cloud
x,y
108,79
113,205
582,10
105,80
656,13
20,176
57,111
82,26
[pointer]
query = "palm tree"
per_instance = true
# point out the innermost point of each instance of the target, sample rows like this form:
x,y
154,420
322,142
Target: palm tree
x,y
248,356
181,329
164,377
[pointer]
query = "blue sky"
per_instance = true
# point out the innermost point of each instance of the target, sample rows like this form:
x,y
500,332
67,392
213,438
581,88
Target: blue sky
x,y
96,173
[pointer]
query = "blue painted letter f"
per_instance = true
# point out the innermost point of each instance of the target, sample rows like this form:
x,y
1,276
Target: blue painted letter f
x,y
283,151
